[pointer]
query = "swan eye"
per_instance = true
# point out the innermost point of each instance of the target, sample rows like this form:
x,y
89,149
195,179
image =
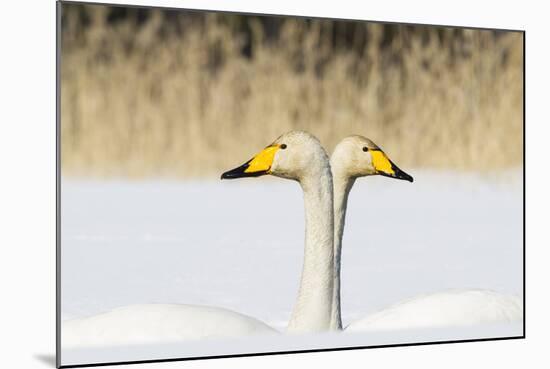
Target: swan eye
x,y
283,146
365,149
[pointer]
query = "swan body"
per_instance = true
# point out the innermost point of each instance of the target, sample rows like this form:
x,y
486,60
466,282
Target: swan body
x,y
452,308
354,157
299,156
158,323
296,155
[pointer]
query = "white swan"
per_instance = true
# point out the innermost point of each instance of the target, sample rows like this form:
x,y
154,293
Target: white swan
x,y
157,323
357,156
451,308
295,155
299,156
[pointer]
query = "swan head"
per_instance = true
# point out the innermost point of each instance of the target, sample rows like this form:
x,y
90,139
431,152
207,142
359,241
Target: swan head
x,y
357,156
294,155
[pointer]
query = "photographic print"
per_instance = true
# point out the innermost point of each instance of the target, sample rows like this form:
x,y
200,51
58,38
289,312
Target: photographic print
x,y
238,184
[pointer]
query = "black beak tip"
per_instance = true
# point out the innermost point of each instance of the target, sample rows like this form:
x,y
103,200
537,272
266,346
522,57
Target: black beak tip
x,y
405,176
231,174
224,176
399,174
240,172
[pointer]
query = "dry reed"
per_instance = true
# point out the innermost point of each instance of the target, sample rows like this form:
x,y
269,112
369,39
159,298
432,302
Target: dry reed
x,y
137,104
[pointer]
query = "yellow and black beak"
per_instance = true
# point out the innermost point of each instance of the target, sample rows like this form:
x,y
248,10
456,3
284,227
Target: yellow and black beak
x,y
259,165
385,167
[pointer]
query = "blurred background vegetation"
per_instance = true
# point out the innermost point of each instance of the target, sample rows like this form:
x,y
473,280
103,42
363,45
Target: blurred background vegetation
x,y
151,92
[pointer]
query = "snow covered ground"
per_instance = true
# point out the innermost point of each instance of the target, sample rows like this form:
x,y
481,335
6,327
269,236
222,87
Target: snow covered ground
x,y
283,343
239,244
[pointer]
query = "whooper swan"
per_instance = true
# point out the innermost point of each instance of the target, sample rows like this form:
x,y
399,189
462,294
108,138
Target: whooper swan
x,y
296,155
299,156
355,157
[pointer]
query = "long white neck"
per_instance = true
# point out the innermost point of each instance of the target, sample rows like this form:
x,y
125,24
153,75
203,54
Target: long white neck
x,y
312,312
342,187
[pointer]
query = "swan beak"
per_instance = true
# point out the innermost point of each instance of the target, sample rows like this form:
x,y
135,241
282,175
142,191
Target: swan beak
x,y
385,167
259,165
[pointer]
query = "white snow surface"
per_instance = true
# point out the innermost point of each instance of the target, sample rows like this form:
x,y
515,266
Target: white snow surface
x,y
238,244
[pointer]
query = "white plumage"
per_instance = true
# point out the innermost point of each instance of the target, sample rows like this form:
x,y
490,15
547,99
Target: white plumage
x,y
158,323
299,156
452,308
295,155
357,156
